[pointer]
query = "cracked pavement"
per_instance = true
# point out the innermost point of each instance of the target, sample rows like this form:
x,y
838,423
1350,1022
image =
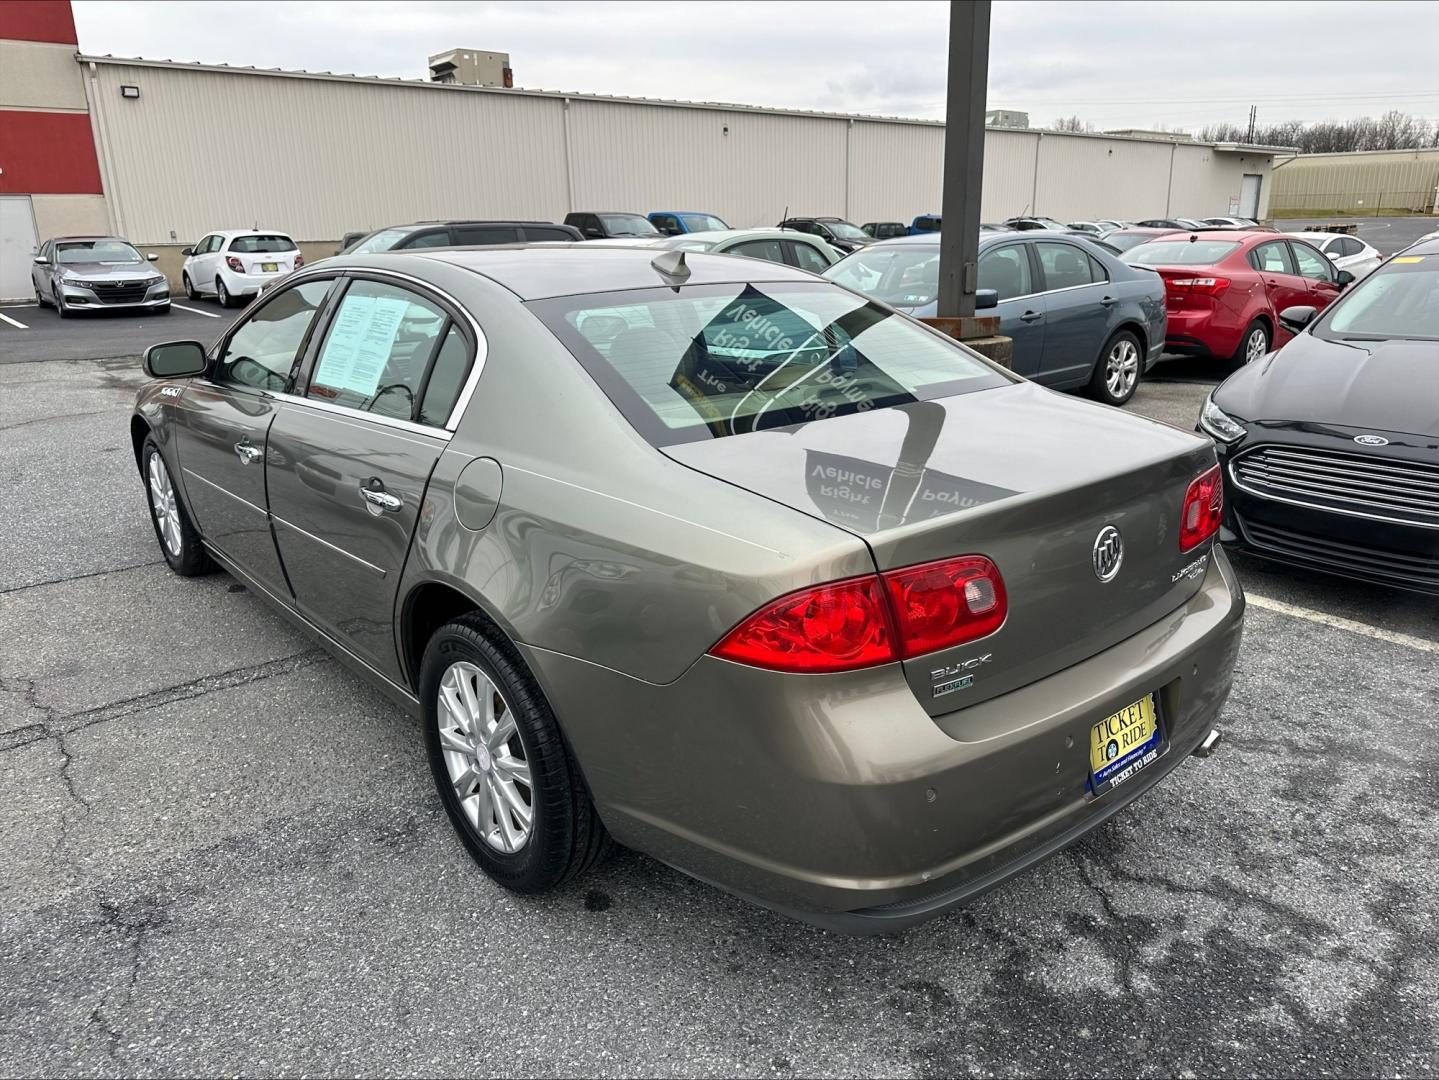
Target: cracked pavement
x,y
222,854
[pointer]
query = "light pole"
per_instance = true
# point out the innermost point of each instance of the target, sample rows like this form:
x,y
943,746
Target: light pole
x,y
963,155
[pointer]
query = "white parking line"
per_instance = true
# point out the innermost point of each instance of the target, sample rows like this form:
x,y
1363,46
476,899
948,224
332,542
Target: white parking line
x,y
194,311
1339,623
14,322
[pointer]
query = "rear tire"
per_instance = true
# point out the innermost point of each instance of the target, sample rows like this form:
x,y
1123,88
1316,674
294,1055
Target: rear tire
x,y
564,836
179,540
222,294
191,293
1254,344
1116,375
40,300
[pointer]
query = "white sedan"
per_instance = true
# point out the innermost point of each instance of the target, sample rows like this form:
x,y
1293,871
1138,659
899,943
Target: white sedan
x,y
1345,252
232,264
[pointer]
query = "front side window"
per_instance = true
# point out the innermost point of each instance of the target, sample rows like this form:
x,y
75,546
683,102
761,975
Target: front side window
x,y
903,276
1065,266
377,351
666,223
262,244
1312,264
807,258
709,361
1005,270
768,250
109,252
627,225
261,353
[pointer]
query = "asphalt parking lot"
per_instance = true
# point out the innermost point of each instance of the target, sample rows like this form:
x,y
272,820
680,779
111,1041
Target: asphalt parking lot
x,y
224,855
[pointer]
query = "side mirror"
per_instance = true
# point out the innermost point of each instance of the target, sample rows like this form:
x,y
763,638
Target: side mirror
x,y
986,298
152,257
1295,319
1345,278
175,359
187,252
40,260
594,233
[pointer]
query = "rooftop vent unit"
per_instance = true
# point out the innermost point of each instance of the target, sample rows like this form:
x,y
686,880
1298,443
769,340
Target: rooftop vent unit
x,y
472,67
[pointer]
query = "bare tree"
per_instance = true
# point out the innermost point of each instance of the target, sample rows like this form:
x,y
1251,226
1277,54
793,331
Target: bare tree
x,y
1071,123
1394,130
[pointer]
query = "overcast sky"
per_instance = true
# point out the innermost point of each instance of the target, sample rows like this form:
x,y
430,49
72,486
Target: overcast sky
x,y
1116,64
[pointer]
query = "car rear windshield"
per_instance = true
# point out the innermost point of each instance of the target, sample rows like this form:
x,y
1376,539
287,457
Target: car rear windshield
x,y
903,276
628,225
1401,300
708,361
1125,241
845,231
262,244
1180,252
114,252
702,222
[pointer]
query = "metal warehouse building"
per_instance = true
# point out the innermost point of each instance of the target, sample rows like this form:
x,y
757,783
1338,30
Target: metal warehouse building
x,y
1364,182
133,146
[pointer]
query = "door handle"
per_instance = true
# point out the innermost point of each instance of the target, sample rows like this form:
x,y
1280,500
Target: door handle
x,y
1109,301
248,454
380,498
1031,316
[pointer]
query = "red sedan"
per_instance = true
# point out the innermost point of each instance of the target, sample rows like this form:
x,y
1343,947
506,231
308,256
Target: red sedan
x,y
1225,289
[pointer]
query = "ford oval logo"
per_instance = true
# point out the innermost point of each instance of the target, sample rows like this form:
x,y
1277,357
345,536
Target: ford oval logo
x,y
1371,440
1108,553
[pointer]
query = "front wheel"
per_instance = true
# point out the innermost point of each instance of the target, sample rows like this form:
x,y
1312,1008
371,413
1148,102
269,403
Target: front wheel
x,y
1116,376
1253,345
506,777
60,306
179,541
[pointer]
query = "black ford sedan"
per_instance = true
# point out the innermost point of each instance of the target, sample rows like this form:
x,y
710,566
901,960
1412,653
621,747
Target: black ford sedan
x,y
1330,446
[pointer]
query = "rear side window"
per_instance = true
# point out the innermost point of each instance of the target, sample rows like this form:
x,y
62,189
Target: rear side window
x,y
433,238
546,232
807,258
486,234
708,361
1349,246
257,245
447,376
1272,258
1065,266
378,349
1181,253
261,352
1005,270
702,223
768,250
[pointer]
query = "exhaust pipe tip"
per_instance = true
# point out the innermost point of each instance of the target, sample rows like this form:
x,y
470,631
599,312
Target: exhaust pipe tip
x,y
1210,743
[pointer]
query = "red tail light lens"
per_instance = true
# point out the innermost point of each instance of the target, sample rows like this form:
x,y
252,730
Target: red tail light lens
x,y
832,627
943,604
299,260
1203,510
1204,286
873,620
234,264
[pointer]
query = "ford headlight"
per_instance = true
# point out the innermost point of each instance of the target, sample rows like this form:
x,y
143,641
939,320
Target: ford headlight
x,y
1219,424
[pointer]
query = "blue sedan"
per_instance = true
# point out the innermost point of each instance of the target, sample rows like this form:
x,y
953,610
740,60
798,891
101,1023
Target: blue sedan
x,y
1079,318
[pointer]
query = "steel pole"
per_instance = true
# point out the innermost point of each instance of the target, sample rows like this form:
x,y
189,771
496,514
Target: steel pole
x,y
963,155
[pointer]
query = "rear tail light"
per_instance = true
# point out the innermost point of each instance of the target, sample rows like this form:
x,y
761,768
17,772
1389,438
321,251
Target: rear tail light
x,y
943,604
299,260
234,264
1203,509
863,622
1205,286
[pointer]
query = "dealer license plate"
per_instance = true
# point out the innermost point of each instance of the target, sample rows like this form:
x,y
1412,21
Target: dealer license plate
x,y
1123,743
269,268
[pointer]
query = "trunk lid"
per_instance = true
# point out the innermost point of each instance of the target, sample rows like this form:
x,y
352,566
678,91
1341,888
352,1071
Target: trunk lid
x,y
1020,474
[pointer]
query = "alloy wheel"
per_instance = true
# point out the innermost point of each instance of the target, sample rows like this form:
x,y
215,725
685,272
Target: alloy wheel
x,y
1121,368
485,758
162,502
1255,347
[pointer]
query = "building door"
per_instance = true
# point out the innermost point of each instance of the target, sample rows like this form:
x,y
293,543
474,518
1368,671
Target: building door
x,y
18,244
1249,196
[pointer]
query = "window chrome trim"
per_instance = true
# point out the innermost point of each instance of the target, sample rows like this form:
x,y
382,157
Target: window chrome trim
x,y
327,268
1234,479
347,413
332,547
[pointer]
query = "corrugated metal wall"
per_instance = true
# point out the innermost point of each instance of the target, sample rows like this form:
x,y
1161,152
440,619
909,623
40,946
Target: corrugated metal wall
x,y
1374,178
204,149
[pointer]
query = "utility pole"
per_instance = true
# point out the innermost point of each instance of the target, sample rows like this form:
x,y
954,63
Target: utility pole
x,y
1253,116
963,155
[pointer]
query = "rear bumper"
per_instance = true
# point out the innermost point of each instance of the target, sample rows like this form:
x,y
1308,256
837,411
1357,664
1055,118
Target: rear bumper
x,y
1203,333
837,799
249,284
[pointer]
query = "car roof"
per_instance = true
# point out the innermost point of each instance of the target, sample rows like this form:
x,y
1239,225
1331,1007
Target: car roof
x,y
538,271
719,235
246,232
706,213
97,236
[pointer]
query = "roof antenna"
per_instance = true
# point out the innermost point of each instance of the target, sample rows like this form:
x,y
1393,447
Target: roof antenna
x,y
671,264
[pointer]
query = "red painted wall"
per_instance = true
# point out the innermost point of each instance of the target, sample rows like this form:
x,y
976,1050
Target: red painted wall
x,y
38,20
47,153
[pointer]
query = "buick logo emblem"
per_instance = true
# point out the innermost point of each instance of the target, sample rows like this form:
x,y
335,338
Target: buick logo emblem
x,y
1108,553
1371,440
